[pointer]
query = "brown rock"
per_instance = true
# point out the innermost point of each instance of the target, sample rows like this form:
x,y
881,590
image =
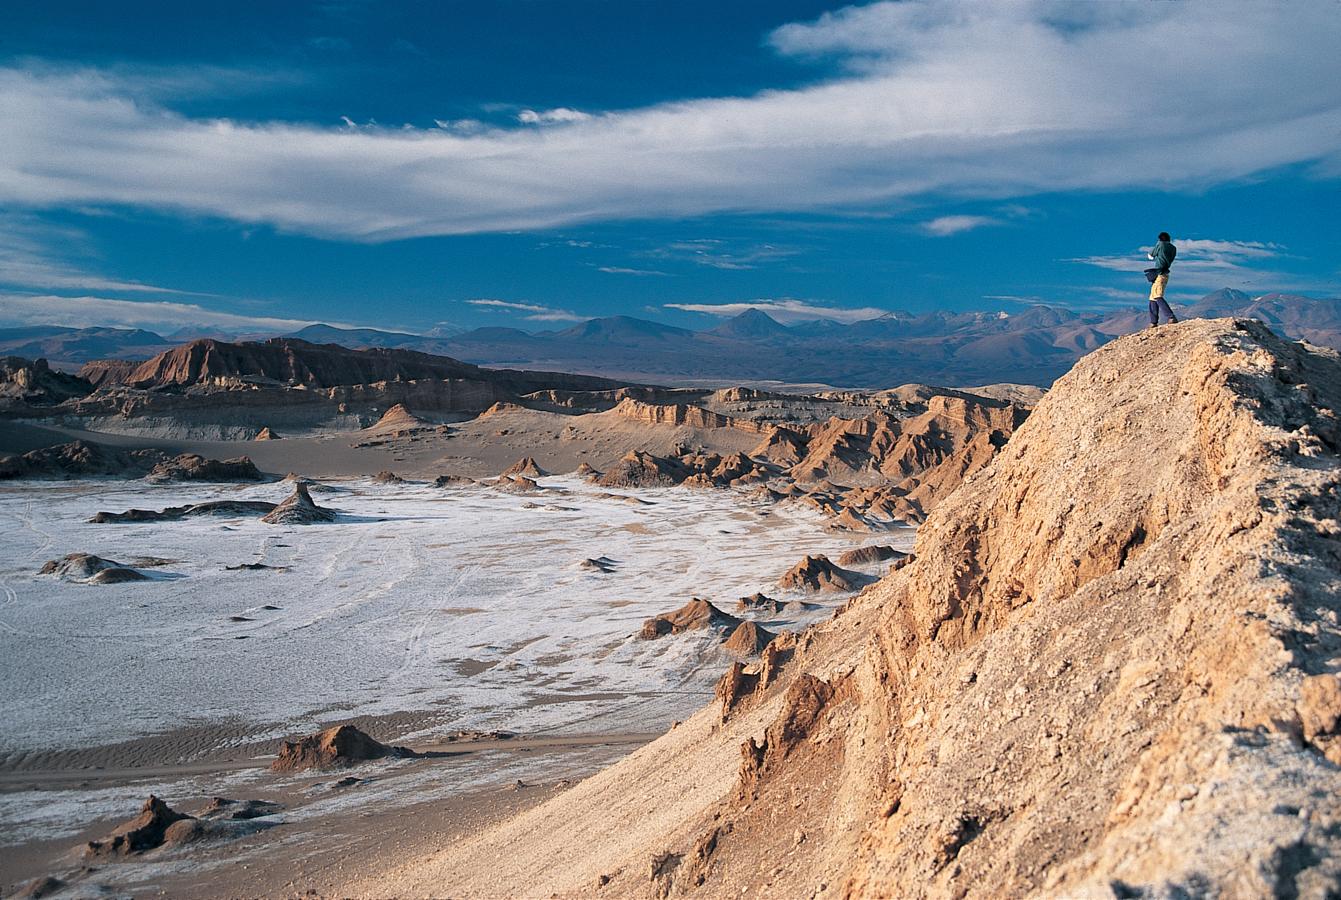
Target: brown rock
x,y
816,573
525,466
194,467
298,509
266,434
747,639
693,615
144,832
340,746
85,568
868,555
640,469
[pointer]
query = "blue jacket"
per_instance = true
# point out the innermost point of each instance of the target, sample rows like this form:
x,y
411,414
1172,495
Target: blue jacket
x,y
1163,255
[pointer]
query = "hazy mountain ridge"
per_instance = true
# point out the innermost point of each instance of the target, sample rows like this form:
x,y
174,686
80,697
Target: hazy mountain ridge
x,y
1035,345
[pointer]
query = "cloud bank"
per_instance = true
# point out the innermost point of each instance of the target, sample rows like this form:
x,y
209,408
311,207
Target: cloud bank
x,y
152,315
961,100
785,310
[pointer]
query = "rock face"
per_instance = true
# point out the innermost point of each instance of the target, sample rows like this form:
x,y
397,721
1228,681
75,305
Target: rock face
x,y
146,831
747,639
85,568
868,555
1107,671
173,513
33,383
817,573
525,466
640,469
193,467
338,747
298,509
693,615
79,459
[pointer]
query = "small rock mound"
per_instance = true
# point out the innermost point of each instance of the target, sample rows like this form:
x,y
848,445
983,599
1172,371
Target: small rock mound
x,y
759,602
865,556
398,421
146,831
266,434
586,470
693,615
39,887
452,480
194,467
816,573
601,565
639,469
386,476
298,509
748,639
525,466
337,747
85,568
173,513
238,810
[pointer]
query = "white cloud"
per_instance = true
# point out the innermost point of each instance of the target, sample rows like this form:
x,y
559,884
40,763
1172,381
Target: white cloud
x,y
1208,263
623,270
535,312
784,310
552,116
153,315
991,100
944,226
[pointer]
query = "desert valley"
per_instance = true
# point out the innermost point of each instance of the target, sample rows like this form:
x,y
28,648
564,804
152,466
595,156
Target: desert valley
x,y
359,621
555,449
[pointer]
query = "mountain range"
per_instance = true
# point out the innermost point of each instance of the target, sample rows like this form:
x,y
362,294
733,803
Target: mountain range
x,y
1033,346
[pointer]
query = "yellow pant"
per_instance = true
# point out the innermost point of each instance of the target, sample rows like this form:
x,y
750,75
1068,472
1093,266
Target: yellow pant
x,y
1157,287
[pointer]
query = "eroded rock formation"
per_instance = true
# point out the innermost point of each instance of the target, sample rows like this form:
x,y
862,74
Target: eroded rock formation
x,y
337,747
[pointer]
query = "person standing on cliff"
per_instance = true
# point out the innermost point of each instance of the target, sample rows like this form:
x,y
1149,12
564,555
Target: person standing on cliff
x,y
1163,255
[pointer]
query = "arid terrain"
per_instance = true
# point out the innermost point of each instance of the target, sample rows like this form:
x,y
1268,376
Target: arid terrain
x,y
1107,666
504,580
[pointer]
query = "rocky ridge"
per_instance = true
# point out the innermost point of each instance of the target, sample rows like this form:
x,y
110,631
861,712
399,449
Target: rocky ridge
x,y
1110,668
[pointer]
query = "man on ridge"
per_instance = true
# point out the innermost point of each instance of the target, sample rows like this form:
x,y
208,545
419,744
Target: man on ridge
x,y
1163,255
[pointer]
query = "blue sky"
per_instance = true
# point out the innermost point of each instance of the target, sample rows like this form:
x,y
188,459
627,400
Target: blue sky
x,y
242,166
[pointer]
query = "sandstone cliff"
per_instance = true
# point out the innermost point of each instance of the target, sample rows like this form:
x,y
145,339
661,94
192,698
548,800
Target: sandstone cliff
x,y
1110,669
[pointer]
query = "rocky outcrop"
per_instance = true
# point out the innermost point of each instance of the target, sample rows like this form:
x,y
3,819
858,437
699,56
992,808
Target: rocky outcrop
x,y
266,434
868,555
298,509
674,414
759,602
398,422
639,469
193,467
694,615
147,831
817,573
338,747
79,459
747,639
85,568
34,383
525,466
173,513
1109,671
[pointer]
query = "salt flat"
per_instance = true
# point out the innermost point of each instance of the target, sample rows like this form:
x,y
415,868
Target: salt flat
x,y
467,604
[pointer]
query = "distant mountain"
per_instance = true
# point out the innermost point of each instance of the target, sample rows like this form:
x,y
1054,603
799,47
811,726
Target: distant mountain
x,y
70,347
752,324
1030,346
623,328
356,337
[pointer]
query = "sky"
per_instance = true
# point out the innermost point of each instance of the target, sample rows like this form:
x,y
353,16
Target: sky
x,y
257,166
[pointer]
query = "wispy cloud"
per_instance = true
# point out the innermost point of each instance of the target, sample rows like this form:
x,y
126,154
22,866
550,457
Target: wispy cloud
x,y
534,312
559,116
717,254
944,226
28,259
785,310
935,99
1211,263
153,315
623,270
